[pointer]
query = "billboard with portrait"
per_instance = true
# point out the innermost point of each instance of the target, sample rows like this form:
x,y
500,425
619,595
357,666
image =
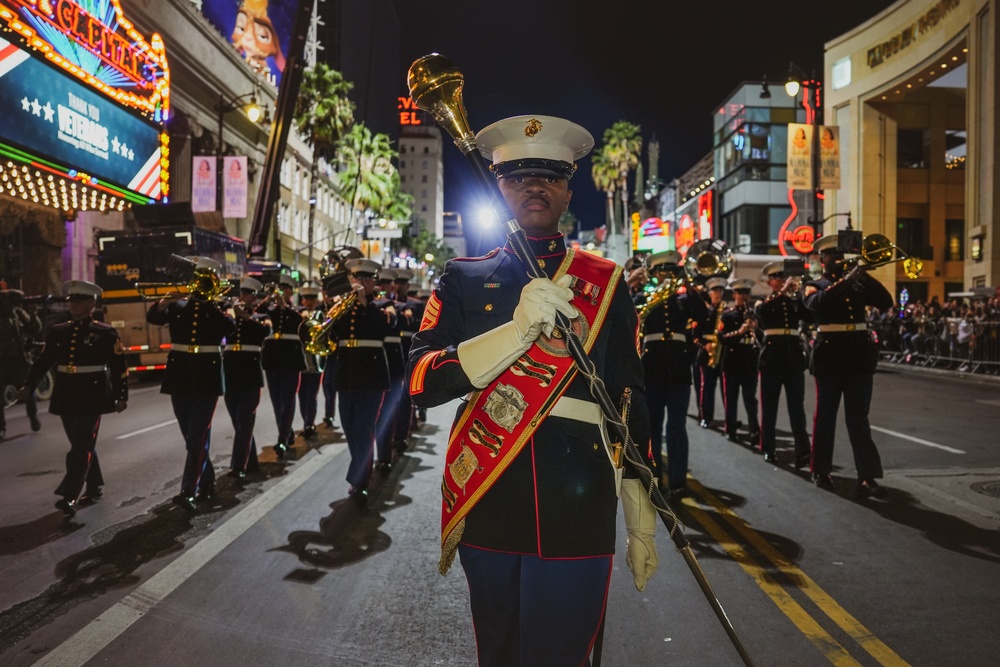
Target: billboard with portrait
x,y
259,30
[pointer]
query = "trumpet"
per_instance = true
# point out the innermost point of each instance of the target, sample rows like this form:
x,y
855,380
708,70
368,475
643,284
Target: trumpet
x,y
319,342
877,251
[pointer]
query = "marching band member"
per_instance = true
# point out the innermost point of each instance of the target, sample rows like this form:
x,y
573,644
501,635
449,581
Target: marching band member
x,y
362,372
782,362
244,377
385,430
193,378
91,379
529,493
706,376
284,360
410,312
843,361
311,377
666,361
739,360
329,374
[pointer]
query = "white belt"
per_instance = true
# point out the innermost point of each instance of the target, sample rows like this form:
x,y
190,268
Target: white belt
x,y
71,369
277,335
828,328
649,338
781,332
358,342
240,347
404,334
196,349
579,410
393,339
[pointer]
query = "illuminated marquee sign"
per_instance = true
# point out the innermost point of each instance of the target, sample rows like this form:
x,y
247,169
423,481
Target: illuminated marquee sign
x,y
409,113
705,217
797,240
92,41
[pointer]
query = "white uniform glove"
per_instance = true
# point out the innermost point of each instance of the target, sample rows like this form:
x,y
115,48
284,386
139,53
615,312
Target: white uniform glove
x,y
640,522
489,354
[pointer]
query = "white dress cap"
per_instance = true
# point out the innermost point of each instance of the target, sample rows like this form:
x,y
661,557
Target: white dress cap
x,y
541,144
81,288
251,284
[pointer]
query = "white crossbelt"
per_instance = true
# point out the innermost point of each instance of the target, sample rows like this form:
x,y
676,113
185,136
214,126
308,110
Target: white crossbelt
x,y
240,347
196,349
282,336
576,409
360,342
71,369
852,326
393,339
781,332
649,338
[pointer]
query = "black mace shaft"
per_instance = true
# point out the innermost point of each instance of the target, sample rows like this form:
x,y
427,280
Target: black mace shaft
x,y
436,87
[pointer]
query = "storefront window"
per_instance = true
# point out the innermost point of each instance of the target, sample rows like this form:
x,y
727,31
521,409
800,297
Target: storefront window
x,y
954,149
912,148
955,247
910,235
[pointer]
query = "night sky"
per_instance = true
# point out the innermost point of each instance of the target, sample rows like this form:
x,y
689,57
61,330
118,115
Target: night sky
x,y
663,65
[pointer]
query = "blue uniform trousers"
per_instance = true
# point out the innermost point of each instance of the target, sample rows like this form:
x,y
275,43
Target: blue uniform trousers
x,y
194,415
359,410
308,397
732,385
281,387
242,402
82,465
706,379
857,393
531,611
387,430
404,414
794,383
674,401
330,387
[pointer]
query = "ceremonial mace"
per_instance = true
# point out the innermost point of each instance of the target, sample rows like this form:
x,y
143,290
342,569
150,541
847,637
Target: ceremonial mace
x,y
436,87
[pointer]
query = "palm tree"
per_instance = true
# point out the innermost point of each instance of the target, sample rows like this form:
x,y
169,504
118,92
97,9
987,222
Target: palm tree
x,y
368,178
623,145
323,115
605,180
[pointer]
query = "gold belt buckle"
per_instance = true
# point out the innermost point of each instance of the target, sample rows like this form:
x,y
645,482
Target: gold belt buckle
x,y
236,348
851,327
71,368
193,348
351,342
277,335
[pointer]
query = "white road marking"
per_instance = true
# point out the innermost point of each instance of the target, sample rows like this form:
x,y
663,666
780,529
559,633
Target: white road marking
x,y
94,637
918,440
145,430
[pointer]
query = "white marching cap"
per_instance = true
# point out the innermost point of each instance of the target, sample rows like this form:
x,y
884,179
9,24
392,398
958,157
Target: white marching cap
x,y
309,290
285,279
386,275
363,266
772,268
206,263
666,257
824,243
742,284
716,283
404,275
534,145
251,284
81,288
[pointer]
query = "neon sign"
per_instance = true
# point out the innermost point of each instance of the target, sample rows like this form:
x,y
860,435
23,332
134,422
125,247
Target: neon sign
x,y
93,41
409,113
705,217
801,238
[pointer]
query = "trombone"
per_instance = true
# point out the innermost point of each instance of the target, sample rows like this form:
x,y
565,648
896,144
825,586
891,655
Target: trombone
x,y
877,251
205,282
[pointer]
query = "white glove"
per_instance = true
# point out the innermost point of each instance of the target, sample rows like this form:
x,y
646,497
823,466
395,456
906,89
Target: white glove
x,y
640,522
489,354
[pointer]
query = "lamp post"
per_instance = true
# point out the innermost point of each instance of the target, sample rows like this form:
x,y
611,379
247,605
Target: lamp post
x,y
221,109
812,103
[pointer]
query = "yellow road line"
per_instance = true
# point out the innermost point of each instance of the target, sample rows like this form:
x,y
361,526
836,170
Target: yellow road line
x,y
859,633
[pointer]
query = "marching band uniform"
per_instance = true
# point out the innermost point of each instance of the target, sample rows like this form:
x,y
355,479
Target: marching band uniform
x,y
385,431
739,362
91,379
283,360
782,364
244,380
843,361
193,379
666,361
329,374
410,312
362,373
706,378
529,494
311,377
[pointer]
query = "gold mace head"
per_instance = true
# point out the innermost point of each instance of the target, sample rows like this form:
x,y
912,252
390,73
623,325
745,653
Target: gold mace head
x,y
436,87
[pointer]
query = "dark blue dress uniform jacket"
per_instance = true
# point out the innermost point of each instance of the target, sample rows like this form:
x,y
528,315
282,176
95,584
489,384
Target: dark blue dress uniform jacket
x,y
83,343
839,302
393,350
739,354
193,321
242,367
667,362
782,352
557,498
362,368
284,354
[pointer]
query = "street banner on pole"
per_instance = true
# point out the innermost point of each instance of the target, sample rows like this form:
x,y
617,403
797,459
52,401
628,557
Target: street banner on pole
x,y
234,191
800,176
829,157
203,183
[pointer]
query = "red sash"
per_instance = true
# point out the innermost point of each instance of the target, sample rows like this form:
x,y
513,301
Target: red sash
x,y
500,419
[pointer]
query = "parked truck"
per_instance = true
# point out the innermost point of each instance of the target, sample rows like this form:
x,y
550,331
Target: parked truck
x,y
141,255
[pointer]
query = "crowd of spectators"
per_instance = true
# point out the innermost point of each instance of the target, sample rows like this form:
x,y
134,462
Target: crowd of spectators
x,y
960,332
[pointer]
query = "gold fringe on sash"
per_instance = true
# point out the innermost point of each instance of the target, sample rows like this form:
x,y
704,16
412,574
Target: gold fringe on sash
x,y
450,547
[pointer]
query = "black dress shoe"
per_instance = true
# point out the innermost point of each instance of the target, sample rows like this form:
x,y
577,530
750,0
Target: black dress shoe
x,y
359,496
308,432
67,506
754,437
35,424
770,457
824,482
704,423
731,437
91,496
328,422
869,488
384,468
236,474
185,502
280,449
401,445
802,460
678,492
205,495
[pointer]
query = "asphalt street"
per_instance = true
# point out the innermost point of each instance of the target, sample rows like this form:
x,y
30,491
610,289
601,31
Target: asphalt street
x,y
285,570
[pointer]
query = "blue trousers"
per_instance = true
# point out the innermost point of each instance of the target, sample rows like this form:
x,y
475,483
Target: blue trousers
x,y
794,383
281,387
330,386
706,380
531,611
359,411
387,430
308,397
241,403
732,385
857,393
194,414
82,465
674,401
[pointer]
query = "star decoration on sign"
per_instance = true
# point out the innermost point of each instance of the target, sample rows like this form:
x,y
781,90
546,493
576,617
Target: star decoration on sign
x,y
49,113
131,154
115,144
36,108
25,104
